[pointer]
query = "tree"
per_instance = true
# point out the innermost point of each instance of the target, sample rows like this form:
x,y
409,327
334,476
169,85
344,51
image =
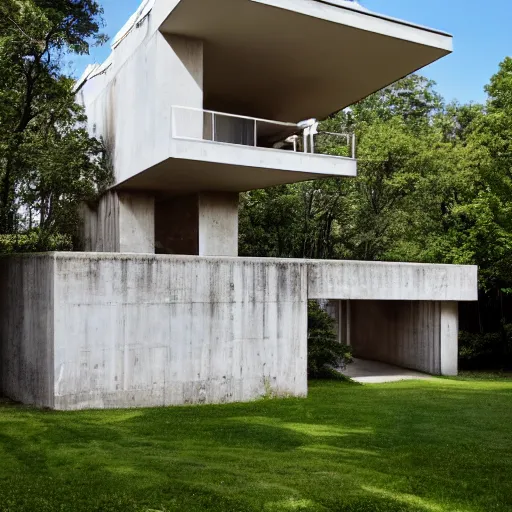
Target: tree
x,y
48,163
353,218
326,356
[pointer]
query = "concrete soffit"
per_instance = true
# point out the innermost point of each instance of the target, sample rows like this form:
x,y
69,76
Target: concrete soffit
x,y
290,60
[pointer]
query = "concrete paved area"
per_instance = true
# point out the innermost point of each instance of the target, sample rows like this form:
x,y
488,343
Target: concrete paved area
x,y
372,372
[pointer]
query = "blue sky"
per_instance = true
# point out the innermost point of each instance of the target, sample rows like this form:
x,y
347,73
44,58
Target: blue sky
x,y
481,28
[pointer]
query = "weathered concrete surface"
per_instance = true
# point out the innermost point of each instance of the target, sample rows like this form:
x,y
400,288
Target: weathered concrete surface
x,y
26,329
449,338
95,330
100,224
373,372
129,105
149,331
359,280
120,222
218,224
417,335
136,223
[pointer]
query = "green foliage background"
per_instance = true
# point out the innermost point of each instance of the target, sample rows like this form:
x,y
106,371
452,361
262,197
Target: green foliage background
x,y
326,356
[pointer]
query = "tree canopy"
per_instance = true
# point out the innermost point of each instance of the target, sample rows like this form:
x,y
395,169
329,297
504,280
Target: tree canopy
x,y
48,163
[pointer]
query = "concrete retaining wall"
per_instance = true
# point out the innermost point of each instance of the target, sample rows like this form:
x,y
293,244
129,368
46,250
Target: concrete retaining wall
x,y
26,329
98,330
150,331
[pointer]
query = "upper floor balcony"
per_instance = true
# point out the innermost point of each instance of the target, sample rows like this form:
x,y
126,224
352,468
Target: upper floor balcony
x,y
222,128
227,152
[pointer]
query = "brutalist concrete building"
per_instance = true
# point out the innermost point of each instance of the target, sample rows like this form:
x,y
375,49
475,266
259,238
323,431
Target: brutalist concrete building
x,y
199,101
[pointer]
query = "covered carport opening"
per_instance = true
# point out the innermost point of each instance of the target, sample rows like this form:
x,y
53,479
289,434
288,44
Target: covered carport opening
x,y
415,335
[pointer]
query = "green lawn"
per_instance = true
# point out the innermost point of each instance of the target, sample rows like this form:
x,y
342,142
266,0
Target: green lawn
x,y
431,446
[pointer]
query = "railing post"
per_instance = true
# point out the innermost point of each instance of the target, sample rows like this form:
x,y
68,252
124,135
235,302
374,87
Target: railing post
x,y
354,146
255,133
214,128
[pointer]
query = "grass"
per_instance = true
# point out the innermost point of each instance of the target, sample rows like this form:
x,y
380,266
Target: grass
x,y
430,446
490,375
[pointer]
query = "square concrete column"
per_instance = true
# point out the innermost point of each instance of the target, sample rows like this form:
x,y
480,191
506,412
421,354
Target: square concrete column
x,y
449,338
204,224
136,223
120,222
218,224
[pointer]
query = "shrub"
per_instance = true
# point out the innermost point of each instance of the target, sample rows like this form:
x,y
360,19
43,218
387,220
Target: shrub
x,y
485,351
326,356
33,242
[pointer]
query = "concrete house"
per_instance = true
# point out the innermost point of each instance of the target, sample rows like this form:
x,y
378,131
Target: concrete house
x,y
199,101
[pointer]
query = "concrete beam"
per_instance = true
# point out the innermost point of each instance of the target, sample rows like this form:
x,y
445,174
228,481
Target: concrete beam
x,y
359,280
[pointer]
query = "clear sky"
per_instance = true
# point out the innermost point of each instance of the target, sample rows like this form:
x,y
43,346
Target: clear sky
x,y
482,31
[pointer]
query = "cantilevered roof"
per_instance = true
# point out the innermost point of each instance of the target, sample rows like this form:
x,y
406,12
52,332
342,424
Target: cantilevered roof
x,y
356,6
295,59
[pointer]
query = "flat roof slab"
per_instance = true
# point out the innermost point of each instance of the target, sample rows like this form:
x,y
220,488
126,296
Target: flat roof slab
x,y
294,59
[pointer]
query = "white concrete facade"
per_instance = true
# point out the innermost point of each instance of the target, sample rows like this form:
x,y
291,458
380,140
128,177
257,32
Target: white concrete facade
x,y
107,331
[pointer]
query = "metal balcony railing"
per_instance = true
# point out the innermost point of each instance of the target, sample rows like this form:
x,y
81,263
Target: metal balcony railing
x,y
206,125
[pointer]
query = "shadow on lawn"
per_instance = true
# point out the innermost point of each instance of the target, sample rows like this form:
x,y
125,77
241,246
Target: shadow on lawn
x,y
346,448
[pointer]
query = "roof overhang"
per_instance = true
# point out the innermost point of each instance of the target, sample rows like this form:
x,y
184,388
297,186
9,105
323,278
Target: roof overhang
x,y
296,59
